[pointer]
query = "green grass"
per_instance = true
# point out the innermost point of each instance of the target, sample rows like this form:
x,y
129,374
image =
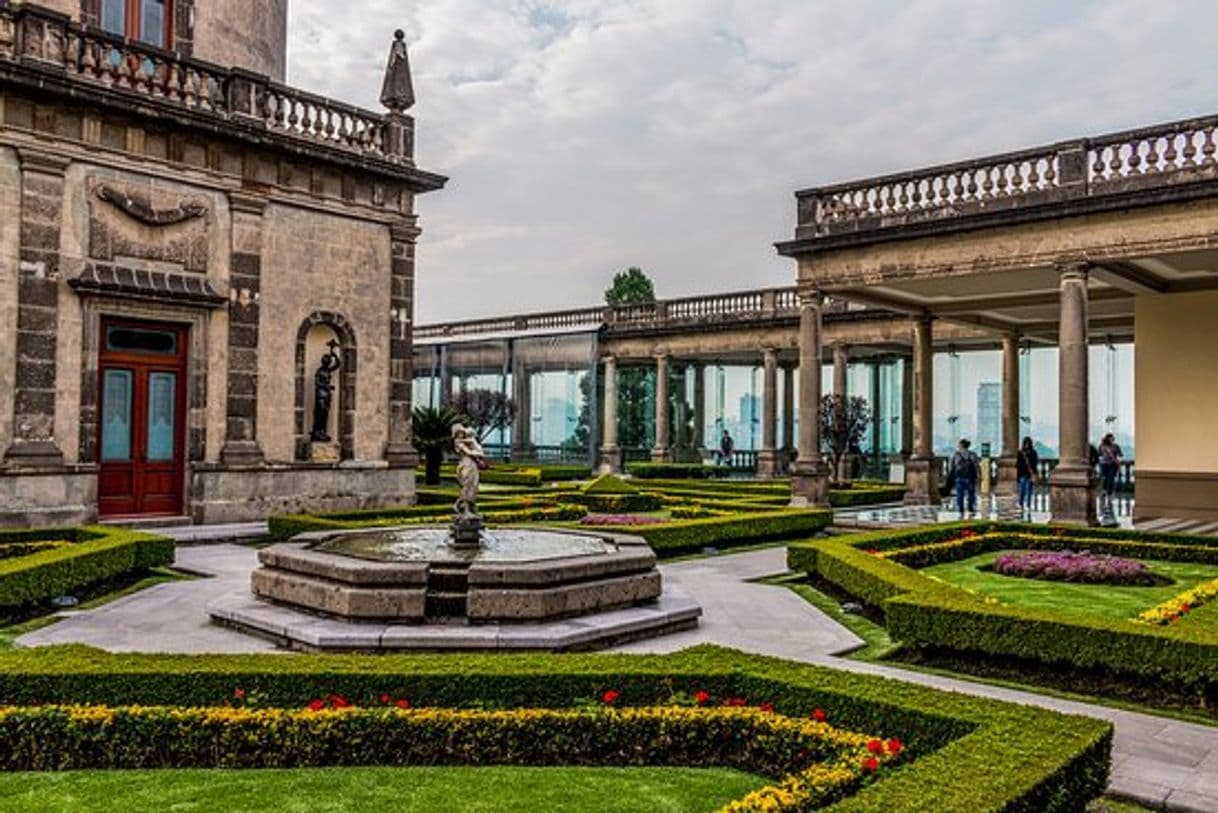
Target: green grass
x,y
456,789
1100,600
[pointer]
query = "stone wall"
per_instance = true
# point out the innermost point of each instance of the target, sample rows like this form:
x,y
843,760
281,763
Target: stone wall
x,y
10,227
250,34
314,262
238,495
47,499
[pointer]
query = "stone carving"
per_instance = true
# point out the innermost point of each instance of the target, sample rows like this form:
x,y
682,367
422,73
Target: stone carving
x,y
397,91
467,524
323,393
134,221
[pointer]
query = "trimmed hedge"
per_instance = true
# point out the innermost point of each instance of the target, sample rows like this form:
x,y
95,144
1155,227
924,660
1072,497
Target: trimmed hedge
x,y
924,612
972,755
682,536
94,554
675,471
615,503
864,494
287,526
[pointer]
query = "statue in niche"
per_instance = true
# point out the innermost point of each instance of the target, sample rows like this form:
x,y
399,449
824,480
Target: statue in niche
x,y
397,91
323,393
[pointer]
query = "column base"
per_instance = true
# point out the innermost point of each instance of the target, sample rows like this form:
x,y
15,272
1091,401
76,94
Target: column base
x,y
661,455
611,460
769,463
922,481
1072,496
242,453
401,454
34,454
810,484
1006,489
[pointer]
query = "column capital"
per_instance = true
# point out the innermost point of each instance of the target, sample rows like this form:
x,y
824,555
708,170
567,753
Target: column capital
x,y
1073,269
405,230
45,163
812,298
246,203
769,354
609,358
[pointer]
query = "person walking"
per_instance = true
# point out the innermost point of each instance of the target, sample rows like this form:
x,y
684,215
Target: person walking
x,y
1110,464
726,447
965,468
1027,464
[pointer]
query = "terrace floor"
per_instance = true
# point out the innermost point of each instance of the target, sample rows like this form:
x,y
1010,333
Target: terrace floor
x,y
1160,762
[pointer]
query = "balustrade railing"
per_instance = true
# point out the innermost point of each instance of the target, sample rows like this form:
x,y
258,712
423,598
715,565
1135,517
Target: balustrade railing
x,y
1161,155
1044,468
35,36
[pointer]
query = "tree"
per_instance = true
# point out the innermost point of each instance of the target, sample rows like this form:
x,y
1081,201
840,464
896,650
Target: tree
x,y
843,422
631,287
433,436
487,411
634,392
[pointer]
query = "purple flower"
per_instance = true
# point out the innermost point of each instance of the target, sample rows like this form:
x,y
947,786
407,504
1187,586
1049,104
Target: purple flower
x,y
1068,566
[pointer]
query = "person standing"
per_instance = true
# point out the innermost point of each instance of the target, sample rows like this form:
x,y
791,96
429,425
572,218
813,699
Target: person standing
x,y
726,447
965,468
1027,464
1110,464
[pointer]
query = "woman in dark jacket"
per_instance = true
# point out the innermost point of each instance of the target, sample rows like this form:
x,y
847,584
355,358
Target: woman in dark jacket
x,y
1026,465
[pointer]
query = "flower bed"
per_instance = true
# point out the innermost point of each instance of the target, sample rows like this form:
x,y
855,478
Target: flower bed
x,y
1047,762
1179,606
624,520
1070,566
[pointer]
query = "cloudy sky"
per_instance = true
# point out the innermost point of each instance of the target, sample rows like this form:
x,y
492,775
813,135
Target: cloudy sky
x,y
582,137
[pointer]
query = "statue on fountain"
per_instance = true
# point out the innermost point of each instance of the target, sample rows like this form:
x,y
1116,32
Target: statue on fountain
x,y
467,524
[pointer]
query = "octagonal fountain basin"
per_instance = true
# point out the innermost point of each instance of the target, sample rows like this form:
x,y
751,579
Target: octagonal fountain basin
x,y
413,574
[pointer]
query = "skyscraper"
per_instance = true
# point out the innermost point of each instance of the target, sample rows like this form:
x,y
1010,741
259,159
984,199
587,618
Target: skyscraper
x,y
989,417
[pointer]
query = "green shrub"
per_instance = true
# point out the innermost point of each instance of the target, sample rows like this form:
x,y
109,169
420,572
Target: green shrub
x,y
683,536
94,555
678,471
972,754
865,494
616,503
609,484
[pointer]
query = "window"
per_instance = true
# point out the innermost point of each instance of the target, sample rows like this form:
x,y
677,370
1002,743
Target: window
x,y
144,20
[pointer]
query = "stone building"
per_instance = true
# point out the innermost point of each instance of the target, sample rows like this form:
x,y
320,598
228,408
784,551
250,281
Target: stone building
x,y
182,239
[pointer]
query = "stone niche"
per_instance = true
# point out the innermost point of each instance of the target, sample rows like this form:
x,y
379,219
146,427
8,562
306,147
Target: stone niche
x,y
130,220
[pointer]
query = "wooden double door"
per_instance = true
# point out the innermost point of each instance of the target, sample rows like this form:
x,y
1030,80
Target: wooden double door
x,y
142,410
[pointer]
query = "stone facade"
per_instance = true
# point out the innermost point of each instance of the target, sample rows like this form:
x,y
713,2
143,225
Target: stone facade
x,y
229,223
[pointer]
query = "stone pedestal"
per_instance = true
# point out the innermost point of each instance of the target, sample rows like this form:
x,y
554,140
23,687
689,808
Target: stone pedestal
x,y
1072,495
922,481
769,463
401,454
242,453
467,531
810,484
324,451
35,454
611,460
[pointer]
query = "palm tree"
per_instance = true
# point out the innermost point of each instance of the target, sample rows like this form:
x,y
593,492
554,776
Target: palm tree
x,y
433,436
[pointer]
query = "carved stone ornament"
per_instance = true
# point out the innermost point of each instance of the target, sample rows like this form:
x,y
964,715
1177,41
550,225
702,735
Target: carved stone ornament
x,y
130,220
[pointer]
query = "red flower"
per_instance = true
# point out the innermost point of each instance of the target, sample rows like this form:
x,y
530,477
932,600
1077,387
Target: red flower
x,y
766,707
871,765
894,746
876,747
239,693
316,704
733,701
610,697
702,698
339,702
819,715
385,700
402,703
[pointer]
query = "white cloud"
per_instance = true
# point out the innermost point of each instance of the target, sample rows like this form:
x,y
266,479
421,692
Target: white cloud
x,y
585,136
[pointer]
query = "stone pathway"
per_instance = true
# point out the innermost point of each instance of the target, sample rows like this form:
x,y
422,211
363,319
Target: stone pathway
x,y
1158,761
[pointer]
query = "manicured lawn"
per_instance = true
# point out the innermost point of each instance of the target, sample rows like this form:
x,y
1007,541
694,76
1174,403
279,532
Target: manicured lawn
x,y
457,789
1100,600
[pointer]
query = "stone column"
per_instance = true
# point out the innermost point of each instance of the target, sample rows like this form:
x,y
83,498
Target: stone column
x,y
610,453
661,451
841,365
907,408
1071,492
399,449
810,475
788,415
38,276
767,456
1007,485
922,471
699,440
241,447
522,425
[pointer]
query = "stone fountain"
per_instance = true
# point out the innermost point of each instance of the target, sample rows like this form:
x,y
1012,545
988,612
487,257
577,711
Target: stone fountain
x,y
461,586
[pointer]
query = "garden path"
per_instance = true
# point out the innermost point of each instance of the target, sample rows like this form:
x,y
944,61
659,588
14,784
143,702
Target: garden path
x,y
1156,760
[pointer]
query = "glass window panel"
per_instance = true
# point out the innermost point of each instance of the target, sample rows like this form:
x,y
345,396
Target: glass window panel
x,y
114,16
116,416
136,340
152,22
161,413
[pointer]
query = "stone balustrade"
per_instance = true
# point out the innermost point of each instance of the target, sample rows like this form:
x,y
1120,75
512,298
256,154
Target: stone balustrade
x,y
1146,159
42,40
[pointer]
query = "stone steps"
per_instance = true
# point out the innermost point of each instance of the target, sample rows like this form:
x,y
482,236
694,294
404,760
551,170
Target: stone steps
x,y
447,591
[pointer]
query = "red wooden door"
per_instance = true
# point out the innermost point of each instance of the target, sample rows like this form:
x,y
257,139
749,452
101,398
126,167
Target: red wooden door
x,y
142,408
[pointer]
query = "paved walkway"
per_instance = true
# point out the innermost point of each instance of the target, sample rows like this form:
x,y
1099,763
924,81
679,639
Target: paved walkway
x,y
1158,761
